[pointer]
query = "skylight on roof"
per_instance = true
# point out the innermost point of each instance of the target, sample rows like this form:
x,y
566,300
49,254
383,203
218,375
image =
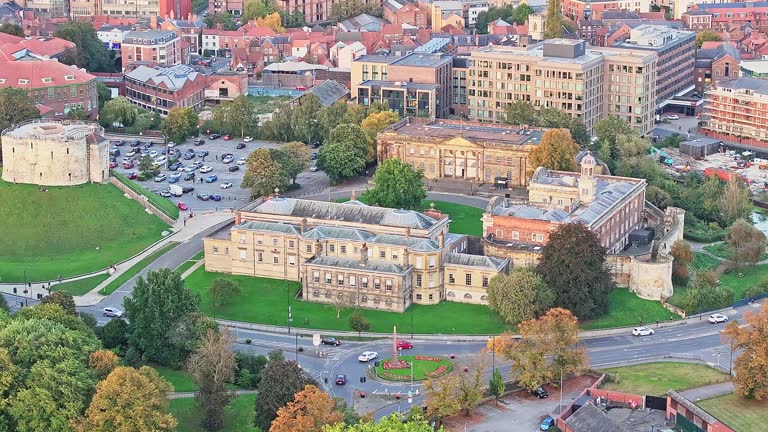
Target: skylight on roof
x,y
69,77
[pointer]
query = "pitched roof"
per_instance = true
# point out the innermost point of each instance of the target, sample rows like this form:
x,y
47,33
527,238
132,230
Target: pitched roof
x,y
47,47
372,266
468,260
41,74
268,227
329,92
589,418
172,78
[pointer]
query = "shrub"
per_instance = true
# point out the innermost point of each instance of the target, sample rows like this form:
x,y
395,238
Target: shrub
x,y
133,358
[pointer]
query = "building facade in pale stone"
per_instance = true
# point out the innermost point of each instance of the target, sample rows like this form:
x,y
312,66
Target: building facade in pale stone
x,y
55,153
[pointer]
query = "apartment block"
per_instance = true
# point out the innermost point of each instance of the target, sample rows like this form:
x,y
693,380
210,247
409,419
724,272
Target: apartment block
x,y
160,47
174,9
159,89
737,110
575,8
589,84
722,15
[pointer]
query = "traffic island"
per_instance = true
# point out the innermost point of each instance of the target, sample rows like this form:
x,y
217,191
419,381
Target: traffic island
x,y
417,367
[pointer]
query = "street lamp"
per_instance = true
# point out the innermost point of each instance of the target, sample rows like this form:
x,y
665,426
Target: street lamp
x,y
492,339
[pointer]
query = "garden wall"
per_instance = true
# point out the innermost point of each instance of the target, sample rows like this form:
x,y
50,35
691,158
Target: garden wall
x,y
141,199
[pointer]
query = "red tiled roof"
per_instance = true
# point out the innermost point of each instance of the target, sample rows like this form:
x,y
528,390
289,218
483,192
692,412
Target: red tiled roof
x,y
34,72
6,38
43,109
391,29
41,46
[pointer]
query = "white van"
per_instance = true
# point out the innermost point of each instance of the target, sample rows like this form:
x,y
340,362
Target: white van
x,y
176,190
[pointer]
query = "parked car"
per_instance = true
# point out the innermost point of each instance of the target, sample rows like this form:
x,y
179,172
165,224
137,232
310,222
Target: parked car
x,y
718,318
673,117
132,176
203,196
313,168
240,146
201,153
330,341
214,136
148,144
112,165
131,153
175,166
182,206
540,393
234,168
199,142
161,160
189,156
205,169
313,156
215,197
166,193
642,331
118,143
160,177
226,185
248,139
190,168
189,176
171,144
174,178
227,138
144,151
113,312
401,344
153,153
136,143
187,189
227,159
211,179
114,151
368,356
241,161
547,423
341,379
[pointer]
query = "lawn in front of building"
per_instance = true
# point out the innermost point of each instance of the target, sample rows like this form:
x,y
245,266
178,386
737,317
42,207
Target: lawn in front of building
x,y
656,379
627,309
81,286
265,301
70,230
238,416
741,415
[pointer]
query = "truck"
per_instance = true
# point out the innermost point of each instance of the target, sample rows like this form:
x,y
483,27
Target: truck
x,y
176,190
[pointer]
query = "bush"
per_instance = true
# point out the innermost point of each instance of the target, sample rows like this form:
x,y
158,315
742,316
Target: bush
x,y
88,319
133,358
681,276
757,289
114,334
245,379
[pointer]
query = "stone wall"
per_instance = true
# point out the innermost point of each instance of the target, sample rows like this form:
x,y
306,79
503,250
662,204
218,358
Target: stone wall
x,y
141,199
649,279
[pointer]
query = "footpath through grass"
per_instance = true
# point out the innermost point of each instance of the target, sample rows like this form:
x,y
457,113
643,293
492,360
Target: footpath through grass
x,y
656,378
238,416
627,309
741,415
164,205
81,286
265,301
69,231
138,267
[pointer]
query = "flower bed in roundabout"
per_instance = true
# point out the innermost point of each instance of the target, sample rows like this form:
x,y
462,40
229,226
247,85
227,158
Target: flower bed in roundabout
x,y
423,367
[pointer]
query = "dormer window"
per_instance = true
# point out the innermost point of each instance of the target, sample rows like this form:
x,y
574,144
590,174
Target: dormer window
x,y
69,77
23,81
47,80
2,80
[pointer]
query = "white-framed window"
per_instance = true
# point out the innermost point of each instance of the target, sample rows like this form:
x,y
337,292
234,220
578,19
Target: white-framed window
x,y
316,277
382,254
364,282
377,284
394,255
275,259
274,242
340,280
259,257
242,238
431,280
388,284
242,254
259,239
451,279
432,262
291,260
215,250
418,280
352,281
343,249
485,281
328,278
468,279
331,248
309,248
515,235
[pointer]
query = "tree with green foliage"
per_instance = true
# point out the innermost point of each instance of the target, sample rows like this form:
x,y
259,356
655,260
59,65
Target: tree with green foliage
x,y
734,202
329,117
392,423
496,385
375,123
249,368
258,9
280,380
519,296
356,113
344,9
344,153
118,112
746,243
707,35
306,126
292,19
296,159
92,54
63,299
397,185
237,116
56,314
358,323
583,292
222,291
4,304
553,21
520,14
158,303
12,29
180,123
557,151
212,365
114,334
704,293
520,112
608,130
280,128
222,20
264,172
15,107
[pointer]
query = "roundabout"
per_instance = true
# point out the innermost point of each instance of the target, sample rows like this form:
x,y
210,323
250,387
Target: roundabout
x,y
416,368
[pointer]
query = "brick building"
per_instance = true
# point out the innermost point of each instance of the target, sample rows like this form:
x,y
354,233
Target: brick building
x,y
160,89
713,65
685,414
175,9
721,16
161,47
235,7
575,8
405,13
188,31
736,110
698,19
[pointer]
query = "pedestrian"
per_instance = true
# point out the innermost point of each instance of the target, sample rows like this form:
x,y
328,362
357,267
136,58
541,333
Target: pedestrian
x,y
185,222
59,278
217,157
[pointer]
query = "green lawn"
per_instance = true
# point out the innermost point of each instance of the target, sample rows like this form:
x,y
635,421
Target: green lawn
x,y
421,369
626,309
751,276
133,271
721,249
656,378
70,230
189,263
702,261
238,418
180,380
740,414
265,301
82,286
164,205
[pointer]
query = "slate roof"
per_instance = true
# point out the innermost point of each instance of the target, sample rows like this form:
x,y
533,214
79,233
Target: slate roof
x,y
362,22
293,67
372,266
325,232
746,83
268,227
329,92
475,261
589,418
174,77
682,400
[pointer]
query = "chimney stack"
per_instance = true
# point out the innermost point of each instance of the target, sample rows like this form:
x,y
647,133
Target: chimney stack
x,y
441,240
303,225
363,255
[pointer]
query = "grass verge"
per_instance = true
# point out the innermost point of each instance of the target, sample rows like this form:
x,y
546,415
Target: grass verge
x,y
238,416
722,250
626,309
704,262
422,369
81,286
740,414
133,271
164,205
656,378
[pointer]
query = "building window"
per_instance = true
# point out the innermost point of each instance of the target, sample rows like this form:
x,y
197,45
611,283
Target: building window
x,y
376,300
394,255
352,281
431,297
418,280
327,278
259,240
451,278
242,238
274,242
316,277
468,296
309,248
485,281
292,261
328,294
275,259
468,279
419,262
316,293
484,298
340,280
431,262
259,257
331,248
382,254
343,249
364,299
418,296
242,255
388,285
291,244
515,235
376,284
364,282
215,250
450,294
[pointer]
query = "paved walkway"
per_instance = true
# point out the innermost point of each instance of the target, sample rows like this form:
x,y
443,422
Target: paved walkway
x,y
709,392
181,232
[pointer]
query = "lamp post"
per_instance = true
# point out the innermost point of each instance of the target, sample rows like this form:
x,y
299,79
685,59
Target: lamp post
x,y
492,339
411,314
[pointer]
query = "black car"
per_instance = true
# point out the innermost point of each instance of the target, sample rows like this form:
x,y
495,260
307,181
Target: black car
x,y
187,189
148,144
199,142
234,168
540,393
214,136
341,379
240,146
176,165
119,143
136,143
189,176
330,341
202,153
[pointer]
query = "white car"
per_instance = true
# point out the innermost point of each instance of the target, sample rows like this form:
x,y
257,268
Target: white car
x,y
673,117
161,160
226,185
153,153
206,169
113,312
131,153
368,356
313,168
171,144
248,139
718,318
642,331
241,161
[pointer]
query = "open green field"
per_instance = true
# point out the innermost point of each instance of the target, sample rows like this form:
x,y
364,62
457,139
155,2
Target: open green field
x,y
238,418
656,378
70,230
164,205
626,309
138,267
180,380
421,369
751,276
740,414
265,301
81,286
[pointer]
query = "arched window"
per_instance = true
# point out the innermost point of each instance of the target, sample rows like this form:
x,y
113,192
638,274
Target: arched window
x,y
316,293
484,298
328,294
364,299
468,296
376,300
451,294
341,295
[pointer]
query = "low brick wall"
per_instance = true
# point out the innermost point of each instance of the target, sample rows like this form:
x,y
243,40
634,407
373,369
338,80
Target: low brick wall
x,y
618,397
141,199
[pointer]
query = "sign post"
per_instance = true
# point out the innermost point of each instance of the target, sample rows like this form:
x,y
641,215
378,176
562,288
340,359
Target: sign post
x,y
316,340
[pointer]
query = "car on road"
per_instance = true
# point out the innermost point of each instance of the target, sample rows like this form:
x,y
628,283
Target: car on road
x,y
540,393
174,178
187,189
234,168
313,168
642,331
203,196
131,153
211,179
160,177
113,312
215,197
547,423
227,138
240,146
401,344
201,153
313,156
330,341
241,161
199,142
214,136
205,169
226,185
368,356
673,117
718,318
132,176
175,166
182,206
248,139
341,379
189,176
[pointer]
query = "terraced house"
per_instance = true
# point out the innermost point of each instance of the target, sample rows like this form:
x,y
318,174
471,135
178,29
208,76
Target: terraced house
x,y
352,253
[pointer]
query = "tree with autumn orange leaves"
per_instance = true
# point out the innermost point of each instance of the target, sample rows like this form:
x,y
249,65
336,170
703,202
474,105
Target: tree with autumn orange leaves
x,y
557,151
751,365
103,362
545,350
310,410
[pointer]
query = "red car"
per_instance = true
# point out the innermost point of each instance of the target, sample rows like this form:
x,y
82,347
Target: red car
x,y
128,165
182,206
401,344
227,138
112,165
132,176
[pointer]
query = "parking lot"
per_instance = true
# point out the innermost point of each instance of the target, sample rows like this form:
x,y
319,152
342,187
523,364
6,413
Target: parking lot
x,y
232,197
